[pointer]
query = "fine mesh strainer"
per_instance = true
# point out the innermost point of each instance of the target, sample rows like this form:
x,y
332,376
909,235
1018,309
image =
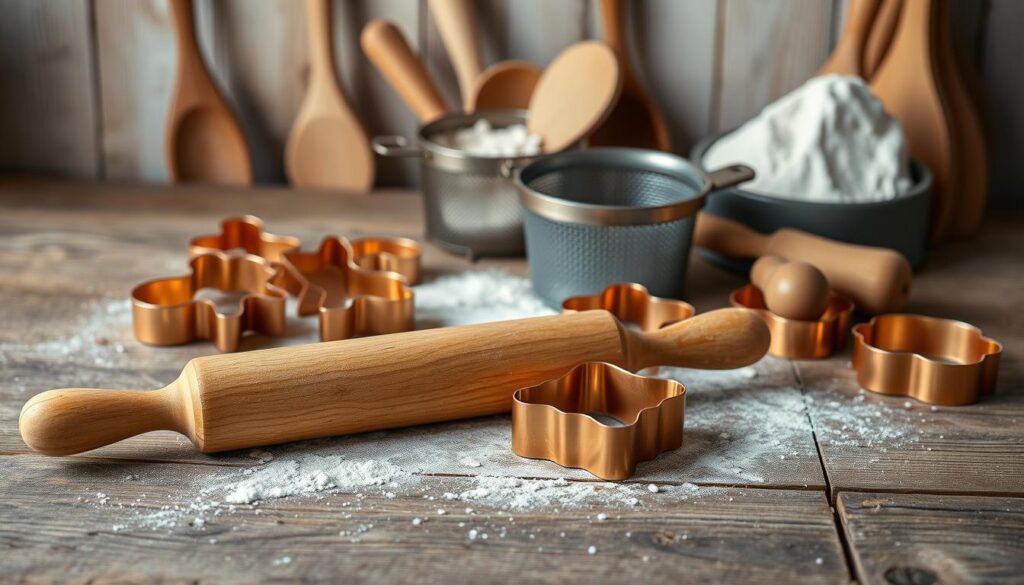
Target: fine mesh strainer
x,y
607,215
470,202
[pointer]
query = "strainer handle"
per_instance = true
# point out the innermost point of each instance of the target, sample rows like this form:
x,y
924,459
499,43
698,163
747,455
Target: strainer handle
x,y
394,146
730,176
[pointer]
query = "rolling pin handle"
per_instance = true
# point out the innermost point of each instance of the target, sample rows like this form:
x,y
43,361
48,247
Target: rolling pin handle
x,y
718,340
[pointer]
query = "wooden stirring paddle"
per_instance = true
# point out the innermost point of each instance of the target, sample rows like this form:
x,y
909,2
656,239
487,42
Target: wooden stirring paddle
x,y
847,57
203,140
327,147
241,400
574,95
635,120
387,48
910,86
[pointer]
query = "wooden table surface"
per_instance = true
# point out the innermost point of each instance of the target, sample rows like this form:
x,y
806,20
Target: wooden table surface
x,y
852,487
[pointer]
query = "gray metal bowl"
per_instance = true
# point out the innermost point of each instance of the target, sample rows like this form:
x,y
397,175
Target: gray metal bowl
x,y
900,224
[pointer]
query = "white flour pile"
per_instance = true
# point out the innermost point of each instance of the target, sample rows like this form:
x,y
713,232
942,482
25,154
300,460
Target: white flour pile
x,y
828,141
481,139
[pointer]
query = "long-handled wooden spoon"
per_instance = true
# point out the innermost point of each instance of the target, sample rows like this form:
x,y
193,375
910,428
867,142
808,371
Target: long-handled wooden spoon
x,y
231,401
574,95
909,84
506,84
848,56
635,120
456,21
387,48
883,29
203,140
327,147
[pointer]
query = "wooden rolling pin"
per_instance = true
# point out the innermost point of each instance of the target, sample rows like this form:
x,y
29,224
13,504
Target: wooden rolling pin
x,y
877,279
234,401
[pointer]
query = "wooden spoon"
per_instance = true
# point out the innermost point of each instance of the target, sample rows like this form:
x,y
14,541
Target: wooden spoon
x,y
203,140
910,86
636,120
506,84
847,58
574,95
880,38
972,158
327,147
456,22
387,48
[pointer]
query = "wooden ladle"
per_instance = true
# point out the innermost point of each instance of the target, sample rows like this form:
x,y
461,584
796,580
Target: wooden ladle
x,y
327,147
848,56
635,120
387,48
574,95
203,140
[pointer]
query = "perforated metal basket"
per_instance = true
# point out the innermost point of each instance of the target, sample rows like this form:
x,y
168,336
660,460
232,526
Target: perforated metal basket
x,y
607,215
470,202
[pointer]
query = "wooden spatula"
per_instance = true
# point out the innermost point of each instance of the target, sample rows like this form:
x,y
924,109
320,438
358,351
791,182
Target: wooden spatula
x,y
387,48
847,57
203,141
456,22
506,84
231,401
635,120
883,29
327,147
574,95
910,86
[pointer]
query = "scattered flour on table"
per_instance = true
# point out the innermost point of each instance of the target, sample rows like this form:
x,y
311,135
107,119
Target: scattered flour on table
x,y
829,140
477,297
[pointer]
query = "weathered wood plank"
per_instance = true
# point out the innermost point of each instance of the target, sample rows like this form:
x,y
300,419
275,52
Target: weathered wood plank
x,y
870,442
48,114
768,48
714,534
910,538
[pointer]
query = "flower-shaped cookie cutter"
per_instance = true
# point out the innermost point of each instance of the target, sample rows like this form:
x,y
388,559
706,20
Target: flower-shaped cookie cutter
x,y
937,361
351,300
166,312
600,418
795,339
632,303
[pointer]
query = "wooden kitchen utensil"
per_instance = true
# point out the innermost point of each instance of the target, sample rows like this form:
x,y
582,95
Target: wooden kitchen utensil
x,y
883,29
506,84
972,158
456,22
877,279
257,398
909,84
847,57
387,48
574,95
635,120
203,140
327,147
793,290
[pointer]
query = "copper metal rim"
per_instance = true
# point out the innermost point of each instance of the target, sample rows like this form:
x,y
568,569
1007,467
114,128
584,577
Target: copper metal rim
x,y
632,303
553,420
938,361
796,339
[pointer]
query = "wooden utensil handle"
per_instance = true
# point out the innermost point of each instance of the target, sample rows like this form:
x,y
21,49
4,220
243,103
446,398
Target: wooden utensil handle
x,y
883,29
231,401
321,53
877,279
612,25
456,21
387,48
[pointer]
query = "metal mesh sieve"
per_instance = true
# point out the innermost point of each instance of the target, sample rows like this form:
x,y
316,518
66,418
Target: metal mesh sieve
x,y
603,216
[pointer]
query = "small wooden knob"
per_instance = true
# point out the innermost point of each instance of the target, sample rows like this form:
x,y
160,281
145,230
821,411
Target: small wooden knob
x,y
794,290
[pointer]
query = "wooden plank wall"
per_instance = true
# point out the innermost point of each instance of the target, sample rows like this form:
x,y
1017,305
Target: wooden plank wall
x,y
84,84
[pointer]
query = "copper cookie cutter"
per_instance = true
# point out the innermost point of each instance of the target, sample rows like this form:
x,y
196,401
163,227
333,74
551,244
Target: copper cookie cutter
x,y
795,339
938,361
166,312
351,300
558,420
632,303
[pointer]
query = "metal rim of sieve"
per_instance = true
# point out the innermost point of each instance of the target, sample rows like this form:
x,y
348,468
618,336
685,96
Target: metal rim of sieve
x,y
625,159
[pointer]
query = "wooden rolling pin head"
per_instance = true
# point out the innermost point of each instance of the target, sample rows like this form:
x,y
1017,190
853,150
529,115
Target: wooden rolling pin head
x,y
794,290
256,398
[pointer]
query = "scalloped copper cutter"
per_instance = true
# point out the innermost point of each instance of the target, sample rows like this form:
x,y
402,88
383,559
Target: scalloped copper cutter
x,y
632,303
796,339
937,361
600,418
166,312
